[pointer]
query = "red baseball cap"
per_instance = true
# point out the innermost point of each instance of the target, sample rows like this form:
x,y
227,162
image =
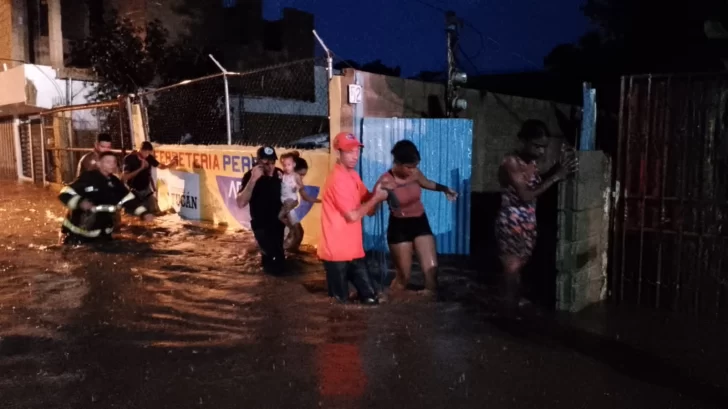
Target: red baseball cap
x,y
346,141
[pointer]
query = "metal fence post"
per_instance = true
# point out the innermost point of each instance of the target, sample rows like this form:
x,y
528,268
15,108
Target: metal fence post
x,y
227,99
227,109
121,125
145,116
131,121
329,58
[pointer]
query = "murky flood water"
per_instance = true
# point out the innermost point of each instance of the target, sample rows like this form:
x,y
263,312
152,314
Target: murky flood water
x,y
177,315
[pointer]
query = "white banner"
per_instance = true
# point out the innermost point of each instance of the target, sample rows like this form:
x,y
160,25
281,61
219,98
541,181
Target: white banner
x,y
180,191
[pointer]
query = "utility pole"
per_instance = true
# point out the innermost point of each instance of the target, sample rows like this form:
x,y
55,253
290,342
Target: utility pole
x,y
455,77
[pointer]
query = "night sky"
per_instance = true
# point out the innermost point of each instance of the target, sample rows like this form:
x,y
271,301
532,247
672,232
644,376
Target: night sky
x,y
516,34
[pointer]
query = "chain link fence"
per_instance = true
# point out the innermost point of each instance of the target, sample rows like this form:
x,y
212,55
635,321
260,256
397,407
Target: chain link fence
x,y
282,105
70,132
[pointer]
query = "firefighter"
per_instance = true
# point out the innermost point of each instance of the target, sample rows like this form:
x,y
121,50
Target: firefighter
x,y
93,200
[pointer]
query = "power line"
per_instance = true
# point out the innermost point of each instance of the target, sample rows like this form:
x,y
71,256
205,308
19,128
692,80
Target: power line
x,y
492,40
430,5
470,60
483,36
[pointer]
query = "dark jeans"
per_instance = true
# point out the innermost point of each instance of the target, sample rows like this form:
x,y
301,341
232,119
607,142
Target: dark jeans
x,y
338,275
270,242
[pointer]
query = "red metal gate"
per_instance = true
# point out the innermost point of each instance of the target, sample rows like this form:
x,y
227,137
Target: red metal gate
x,y
671,216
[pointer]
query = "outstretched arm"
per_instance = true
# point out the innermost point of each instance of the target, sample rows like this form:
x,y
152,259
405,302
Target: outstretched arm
x,y
349,205
426,183
302,191
154,162
130,163
134,206
512,172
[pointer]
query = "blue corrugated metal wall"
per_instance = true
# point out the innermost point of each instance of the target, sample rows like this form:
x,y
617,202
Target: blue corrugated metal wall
x,y
446,148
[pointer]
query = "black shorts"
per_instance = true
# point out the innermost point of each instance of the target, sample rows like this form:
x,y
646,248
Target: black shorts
x,y
407,229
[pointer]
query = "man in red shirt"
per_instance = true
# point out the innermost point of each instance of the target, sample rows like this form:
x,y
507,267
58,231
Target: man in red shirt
x,y
344,203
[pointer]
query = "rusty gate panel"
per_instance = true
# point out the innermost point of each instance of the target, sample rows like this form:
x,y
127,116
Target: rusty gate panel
x,y
671,215
25,150
8,162
37,148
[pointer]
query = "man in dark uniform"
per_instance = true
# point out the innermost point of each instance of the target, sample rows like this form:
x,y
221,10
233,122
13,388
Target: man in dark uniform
x,y
261,189
138,174
90,160
93,200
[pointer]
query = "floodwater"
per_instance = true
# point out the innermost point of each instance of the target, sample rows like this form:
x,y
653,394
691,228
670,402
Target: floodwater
x,y
178,316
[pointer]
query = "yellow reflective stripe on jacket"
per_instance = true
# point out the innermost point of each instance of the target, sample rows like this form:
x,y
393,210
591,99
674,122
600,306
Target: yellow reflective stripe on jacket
x,y
81,232
105,209
68,190
139,210
72,202
126,198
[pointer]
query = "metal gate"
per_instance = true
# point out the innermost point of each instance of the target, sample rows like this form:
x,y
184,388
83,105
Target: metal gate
x,y
32,149
8,165
671,216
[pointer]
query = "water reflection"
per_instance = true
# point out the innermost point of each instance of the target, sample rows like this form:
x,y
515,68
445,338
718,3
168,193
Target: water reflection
x,y
340,371
181,317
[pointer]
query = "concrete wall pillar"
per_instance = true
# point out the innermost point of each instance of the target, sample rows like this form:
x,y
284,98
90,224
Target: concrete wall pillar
x,y
583,235
20,29
55,34
6,31
138,129
334,115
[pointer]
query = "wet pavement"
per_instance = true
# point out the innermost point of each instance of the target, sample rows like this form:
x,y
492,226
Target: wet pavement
x,y
177,315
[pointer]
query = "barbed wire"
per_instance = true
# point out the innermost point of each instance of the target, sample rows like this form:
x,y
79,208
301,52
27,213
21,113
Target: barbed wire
x,y
280,105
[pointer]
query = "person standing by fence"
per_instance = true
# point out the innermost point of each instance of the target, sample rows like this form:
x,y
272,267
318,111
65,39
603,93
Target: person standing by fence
x,y
138,174
90,160
345,202
261,189
516,221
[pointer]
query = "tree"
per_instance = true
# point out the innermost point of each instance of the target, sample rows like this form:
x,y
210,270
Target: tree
x,y
123,60
126,62
374,67
641,36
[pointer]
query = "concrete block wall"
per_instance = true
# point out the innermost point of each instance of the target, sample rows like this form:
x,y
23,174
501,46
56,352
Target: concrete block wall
x,y
583,234
496,118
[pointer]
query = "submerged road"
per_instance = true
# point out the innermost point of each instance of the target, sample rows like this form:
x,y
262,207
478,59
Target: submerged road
x,y
180,316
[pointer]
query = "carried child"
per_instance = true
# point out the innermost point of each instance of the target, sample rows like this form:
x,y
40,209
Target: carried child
x,y
295,169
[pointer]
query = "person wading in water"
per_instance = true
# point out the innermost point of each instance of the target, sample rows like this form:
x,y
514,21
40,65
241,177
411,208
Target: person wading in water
x,y
515,227
93,200
261,189
344,204
409,229
90,160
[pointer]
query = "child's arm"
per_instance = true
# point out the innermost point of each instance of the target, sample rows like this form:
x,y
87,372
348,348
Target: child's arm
x,y
304,195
